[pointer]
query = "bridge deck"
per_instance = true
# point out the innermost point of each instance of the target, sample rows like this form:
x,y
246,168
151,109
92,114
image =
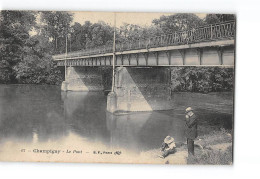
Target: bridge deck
x,y
215,35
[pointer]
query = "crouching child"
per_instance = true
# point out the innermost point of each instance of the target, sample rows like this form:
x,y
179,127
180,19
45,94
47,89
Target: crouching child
x,y
168,146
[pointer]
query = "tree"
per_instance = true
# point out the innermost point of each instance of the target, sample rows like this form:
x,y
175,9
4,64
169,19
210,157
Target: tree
x,y
37,66
178,22
217,18
14,32
56,25
77,38
100,34
202,79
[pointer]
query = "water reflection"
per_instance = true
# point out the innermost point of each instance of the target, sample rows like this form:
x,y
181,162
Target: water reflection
x,y
37,115
142,131
28,109
86,115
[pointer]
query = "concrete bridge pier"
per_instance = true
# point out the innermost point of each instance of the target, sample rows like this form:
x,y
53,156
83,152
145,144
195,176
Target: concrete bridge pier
x,y
82,78
140,89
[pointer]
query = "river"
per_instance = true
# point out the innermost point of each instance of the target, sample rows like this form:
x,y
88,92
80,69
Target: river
x,y
42,117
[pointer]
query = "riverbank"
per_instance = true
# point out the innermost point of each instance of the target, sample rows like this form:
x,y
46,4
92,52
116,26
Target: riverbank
x,y
211,149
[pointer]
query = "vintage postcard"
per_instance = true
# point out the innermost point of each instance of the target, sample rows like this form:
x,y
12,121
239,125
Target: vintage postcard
x,y
115,87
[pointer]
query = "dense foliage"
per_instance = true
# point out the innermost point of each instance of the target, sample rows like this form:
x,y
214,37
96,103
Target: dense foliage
x,y
14,33
26,58
178,22
28,39
202,79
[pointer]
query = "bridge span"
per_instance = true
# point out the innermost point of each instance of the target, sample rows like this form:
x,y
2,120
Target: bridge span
x,y
142,74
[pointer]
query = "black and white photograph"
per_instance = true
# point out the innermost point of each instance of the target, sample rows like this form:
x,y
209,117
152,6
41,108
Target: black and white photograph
x,y
117,87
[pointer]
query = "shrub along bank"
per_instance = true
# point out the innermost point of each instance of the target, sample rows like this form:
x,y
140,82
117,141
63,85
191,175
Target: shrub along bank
x,y
202,79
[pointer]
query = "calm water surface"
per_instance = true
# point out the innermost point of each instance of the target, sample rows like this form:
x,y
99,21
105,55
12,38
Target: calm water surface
x,y
38,114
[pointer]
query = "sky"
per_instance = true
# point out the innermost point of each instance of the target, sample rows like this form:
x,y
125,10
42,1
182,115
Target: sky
x,y
142,19
137,18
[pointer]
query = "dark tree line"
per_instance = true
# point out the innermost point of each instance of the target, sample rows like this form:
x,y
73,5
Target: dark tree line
x,y
28,39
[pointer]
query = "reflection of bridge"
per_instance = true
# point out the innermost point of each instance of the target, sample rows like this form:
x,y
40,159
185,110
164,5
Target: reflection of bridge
x,y
211,45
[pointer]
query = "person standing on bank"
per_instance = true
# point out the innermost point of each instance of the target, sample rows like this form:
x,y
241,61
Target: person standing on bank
x,y
190,129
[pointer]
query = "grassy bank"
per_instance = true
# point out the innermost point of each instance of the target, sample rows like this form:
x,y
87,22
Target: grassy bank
x,y
210,149
213,149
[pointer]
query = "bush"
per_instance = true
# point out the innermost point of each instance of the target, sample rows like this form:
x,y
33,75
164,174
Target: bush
x,y
201,79
35,70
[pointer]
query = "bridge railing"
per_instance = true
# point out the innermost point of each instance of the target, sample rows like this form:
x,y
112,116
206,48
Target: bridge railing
x,y
206,33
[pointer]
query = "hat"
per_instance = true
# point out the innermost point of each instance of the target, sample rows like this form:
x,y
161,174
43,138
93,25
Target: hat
x,y
168,139
189,109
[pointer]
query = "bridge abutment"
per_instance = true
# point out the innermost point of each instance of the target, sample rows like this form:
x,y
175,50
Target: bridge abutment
x,y
83,79
140,89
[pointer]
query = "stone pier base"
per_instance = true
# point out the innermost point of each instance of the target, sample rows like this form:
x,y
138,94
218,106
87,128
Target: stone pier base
x,y
140,89
64,86
112,102
83,79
